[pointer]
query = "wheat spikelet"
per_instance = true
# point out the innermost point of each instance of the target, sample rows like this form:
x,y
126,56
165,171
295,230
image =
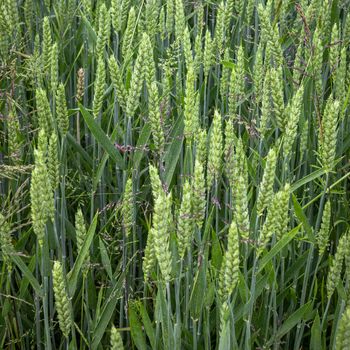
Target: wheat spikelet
x,y
6,245
342,337
323,234
12,17
304,136
129,35
201,146
125,11
99,87
127,210
46,44
54,68
219,34
28,14
117,80
190,112
162,216
143,69
328,136
258,76
179,20
53,165
229,10
334,49
229,271
44,111
162,24
116,340
335,269
317,61
61,110
265,195
276,86
103,31
225,76
215,149
185,221
152,11
62,302
42,201
116,14
155,181
238,86
208,53
276,222
340,79
292,122
149,69
240,191
186,46
170,16
13,137
149,259
198,193
81,233
155,119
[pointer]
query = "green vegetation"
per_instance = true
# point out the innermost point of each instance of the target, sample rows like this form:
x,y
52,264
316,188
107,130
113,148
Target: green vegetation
x,y
174,174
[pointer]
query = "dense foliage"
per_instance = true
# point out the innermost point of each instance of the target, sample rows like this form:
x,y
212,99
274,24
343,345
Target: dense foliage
x,y
174,174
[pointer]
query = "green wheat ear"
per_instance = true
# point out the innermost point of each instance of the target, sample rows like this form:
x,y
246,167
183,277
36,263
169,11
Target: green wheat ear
x,y
129,36
62,301
53,162
81,233
46,44
229,271
54,68
335,270
191,119
99,87
103,31
117,80
61,110
208,53
215,149
44,111
41,196
138,77
219,34
152,10
294,113
13,136
161,229
179,20
277,218
323,234
149,259
198,193
6,245
328,134
116,14
265,195
116,339
277,97
128,208
240,191
155,118
185,221
342,337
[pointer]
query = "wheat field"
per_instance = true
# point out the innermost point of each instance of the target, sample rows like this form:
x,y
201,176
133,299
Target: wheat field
x,y
174,174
